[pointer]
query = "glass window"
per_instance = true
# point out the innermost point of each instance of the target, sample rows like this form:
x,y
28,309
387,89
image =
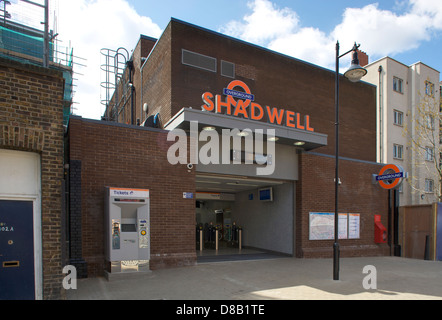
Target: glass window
x,y
429,154
397,85
398,117
398,151
429,185
429,88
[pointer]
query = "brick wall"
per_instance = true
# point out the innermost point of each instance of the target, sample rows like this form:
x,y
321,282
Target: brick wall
x,y
278,81
118,155
315,192
157,79
31,119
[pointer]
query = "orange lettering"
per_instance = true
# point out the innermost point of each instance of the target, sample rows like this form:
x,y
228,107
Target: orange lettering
x,y
220,104
298,122
241,108
208,103
253,115
275,114
307,124
290,118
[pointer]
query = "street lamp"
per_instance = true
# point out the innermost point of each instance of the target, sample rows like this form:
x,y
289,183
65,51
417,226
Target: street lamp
x,y
354,74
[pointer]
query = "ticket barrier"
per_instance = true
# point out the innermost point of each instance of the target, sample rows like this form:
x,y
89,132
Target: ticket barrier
x,y
127,230
210,235
237,236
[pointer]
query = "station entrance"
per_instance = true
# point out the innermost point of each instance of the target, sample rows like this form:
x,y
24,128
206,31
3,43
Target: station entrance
x,y
243,218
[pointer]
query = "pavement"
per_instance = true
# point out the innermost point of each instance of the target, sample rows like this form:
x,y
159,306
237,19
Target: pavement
x,y
280,278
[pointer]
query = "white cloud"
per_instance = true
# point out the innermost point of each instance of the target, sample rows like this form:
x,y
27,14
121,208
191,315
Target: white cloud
x,y
264,23
308,44
381,32
90,25
431,9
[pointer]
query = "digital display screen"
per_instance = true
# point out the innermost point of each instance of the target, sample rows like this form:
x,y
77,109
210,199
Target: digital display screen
x,y
266,194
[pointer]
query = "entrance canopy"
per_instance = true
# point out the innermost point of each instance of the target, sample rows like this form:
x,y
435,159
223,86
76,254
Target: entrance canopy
x,y
306,140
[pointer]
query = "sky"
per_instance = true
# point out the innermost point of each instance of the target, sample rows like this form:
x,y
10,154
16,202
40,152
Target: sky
x,y
406,30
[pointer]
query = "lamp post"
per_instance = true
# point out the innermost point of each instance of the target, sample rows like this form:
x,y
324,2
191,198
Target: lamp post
x,y
354,74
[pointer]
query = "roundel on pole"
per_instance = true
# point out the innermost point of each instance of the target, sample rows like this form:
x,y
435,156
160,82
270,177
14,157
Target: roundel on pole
x,y
390,176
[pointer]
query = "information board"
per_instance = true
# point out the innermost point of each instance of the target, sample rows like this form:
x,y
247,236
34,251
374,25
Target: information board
x,y
322,226
354,225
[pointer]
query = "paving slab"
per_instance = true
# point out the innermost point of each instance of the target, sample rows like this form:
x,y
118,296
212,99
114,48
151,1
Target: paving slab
x,y
387,278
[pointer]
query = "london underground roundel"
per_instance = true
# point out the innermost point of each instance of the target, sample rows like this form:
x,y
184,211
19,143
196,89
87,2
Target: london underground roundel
x,y
390,176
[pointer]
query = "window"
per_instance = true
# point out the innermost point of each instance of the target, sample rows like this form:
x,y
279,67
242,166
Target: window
x,y
430,121
398,151
429,88
398,118
198,60
429,154
227,69
429,185
397,85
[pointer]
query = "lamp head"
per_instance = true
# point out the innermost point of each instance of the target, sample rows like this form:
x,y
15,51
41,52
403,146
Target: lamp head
x,y
355,72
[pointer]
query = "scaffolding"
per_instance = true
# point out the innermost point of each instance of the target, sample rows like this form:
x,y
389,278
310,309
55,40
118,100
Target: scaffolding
x,y
24,38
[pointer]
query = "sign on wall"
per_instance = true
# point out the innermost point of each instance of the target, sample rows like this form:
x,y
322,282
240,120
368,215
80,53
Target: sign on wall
x,y
246,107
322,226
391,176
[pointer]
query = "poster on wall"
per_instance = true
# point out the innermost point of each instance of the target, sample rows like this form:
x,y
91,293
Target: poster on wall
x,y
342,226
354,225
322,226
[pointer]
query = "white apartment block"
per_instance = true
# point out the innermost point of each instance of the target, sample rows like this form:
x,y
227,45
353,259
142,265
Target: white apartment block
x,y
408,108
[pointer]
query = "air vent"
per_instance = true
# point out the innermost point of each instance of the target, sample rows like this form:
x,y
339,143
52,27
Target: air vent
x,y
198,60
227,69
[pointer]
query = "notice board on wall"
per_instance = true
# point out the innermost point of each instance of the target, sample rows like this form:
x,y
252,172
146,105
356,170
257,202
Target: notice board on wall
x,y
322,226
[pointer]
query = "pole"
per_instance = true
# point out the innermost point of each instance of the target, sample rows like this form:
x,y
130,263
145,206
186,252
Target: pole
x,y
46,36
336,243
397,247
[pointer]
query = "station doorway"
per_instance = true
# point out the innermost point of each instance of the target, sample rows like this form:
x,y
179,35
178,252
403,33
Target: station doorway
x,y
243,218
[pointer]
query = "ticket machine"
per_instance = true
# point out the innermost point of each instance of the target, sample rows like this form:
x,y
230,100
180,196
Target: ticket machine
x,y
127,230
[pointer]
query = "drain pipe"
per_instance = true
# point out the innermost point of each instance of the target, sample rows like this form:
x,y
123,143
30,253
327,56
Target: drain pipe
x,y
381,125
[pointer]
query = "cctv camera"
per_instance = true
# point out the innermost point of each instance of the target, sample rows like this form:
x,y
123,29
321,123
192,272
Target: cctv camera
x,y
189,166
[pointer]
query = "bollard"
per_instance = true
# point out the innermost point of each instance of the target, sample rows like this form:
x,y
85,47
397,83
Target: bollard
x,y
201,240
427,248
240,239
216,239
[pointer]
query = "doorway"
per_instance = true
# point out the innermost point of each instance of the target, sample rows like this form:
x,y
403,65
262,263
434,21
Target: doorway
x,y
17,250
262,209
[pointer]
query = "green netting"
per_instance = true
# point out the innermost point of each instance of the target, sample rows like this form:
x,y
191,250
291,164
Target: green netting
x,y
23,43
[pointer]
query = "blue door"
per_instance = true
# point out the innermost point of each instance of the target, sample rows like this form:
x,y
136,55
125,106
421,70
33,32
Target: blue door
x,y
16,250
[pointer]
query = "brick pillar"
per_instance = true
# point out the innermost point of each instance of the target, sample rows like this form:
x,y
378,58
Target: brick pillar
x,y
75,233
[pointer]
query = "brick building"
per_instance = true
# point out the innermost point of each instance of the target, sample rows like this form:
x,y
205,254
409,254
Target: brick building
x,y
32,175
192,77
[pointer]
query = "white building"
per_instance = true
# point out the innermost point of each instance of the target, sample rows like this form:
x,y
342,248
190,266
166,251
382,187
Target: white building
x,y
408,108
